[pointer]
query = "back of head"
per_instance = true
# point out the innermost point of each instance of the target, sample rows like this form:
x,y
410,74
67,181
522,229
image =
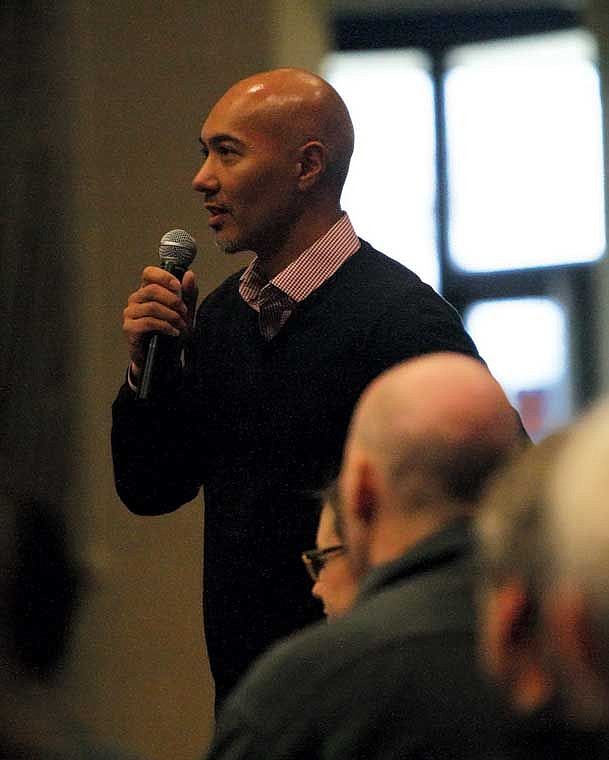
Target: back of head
x,y
577,528
579,516
511,523
437,426
544,562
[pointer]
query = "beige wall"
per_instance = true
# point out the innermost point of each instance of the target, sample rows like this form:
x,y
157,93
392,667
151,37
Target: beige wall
x,y
138,78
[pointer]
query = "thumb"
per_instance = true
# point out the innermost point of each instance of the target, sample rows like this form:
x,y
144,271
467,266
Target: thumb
x,y
190,293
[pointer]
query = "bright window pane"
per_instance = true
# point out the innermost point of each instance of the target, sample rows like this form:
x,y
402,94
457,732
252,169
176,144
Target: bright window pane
x,y
524,342
390,191
525,153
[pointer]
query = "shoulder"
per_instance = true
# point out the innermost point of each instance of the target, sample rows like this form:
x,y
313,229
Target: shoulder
x,y
402,316
375,268
372,260
378,279
384,646
325,693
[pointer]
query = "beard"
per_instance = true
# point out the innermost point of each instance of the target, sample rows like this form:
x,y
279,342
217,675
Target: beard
x,y
230,246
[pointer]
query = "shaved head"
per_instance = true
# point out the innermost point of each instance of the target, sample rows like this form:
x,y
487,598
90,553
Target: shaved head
x,y
445,397
296,107
423,440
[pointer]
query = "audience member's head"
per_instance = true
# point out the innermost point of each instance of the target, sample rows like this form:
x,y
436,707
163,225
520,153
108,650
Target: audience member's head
x,y
41,583
40,587
333,581
513,566
578,568
423,439
544,546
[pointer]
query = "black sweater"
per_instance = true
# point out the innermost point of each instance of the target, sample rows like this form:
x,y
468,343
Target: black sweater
x,y
261,426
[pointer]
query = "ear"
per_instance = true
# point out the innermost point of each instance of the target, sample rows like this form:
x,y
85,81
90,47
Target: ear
x,y
313,160
509,649
358,510
365,502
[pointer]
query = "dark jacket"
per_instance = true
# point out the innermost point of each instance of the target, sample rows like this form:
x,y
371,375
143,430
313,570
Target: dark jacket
x,y
396,678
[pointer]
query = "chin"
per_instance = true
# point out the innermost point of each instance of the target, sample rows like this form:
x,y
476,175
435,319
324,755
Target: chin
x,y
229,246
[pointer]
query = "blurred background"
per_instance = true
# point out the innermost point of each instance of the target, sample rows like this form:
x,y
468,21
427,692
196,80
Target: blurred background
x,y
479,163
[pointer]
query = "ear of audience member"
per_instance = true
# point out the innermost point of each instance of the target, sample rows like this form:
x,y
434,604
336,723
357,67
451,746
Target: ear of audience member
x,y
41,584
534,634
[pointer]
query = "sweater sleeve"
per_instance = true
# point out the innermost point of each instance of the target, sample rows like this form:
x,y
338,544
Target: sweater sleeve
x,y
155,452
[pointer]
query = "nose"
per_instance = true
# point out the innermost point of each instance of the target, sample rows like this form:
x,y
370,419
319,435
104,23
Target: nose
x,y
315,590
205,180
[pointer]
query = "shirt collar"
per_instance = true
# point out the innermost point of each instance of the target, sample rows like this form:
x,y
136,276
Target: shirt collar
x,y
312,267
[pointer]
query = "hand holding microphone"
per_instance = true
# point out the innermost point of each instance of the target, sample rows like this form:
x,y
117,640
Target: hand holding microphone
x,y
159,311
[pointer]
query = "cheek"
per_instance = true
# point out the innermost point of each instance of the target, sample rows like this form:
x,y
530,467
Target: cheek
x,y
268,186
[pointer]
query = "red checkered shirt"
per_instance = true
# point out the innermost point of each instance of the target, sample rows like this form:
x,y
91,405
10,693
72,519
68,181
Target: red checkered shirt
x,y
276,299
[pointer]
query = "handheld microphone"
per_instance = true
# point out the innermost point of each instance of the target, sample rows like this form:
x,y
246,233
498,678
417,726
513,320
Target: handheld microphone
x,y
177,251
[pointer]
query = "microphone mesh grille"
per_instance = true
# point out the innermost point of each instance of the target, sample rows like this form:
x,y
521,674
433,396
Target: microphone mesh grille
x,y
178,247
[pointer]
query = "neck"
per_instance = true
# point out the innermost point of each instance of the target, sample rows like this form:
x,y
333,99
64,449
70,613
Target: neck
x,y
301,235
401,532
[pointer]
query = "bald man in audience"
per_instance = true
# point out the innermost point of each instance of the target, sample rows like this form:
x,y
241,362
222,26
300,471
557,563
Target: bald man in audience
x,y
544,568
278,356
395,677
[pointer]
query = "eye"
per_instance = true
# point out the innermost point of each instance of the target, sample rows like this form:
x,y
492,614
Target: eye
x,y
227,152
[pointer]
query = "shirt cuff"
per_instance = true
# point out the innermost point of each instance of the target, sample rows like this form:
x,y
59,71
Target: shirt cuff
x,y
130,381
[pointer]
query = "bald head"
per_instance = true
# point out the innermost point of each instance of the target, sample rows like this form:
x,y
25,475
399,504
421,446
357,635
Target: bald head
x,y
296,106
432,429
444,397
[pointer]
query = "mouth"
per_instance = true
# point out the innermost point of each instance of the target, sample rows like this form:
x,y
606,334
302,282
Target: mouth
x,y
217,214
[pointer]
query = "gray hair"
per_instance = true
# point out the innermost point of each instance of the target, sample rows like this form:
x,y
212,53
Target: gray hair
x,y
511,526
578,521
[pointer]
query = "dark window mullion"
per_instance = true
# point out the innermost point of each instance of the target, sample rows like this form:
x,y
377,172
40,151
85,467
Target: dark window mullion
x,y
442,201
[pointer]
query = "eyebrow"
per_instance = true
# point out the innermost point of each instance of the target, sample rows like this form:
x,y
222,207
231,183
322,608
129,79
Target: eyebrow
x,y
221,138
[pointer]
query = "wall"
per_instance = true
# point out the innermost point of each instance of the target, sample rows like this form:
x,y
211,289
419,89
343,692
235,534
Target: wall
x,y
108,100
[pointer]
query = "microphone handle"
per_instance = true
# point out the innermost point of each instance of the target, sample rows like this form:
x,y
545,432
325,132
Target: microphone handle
x,y
161,349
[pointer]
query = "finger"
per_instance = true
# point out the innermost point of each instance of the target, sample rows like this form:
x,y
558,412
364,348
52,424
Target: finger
x,y
154,293
158,276
137,329
190,293
153,310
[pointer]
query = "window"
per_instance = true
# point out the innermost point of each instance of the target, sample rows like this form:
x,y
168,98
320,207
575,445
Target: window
x,y
478,163
524,142
524,341
390,191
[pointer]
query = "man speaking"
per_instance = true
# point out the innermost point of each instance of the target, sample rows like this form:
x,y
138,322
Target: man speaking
x,y
275,360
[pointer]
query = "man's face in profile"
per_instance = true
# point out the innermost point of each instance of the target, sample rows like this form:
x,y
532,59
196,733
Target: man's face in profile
x,y
248,177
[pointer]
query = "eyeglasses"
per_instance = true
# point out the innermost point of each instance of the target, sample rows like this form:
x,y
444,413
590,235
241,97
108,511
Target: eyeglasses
x,y
315,559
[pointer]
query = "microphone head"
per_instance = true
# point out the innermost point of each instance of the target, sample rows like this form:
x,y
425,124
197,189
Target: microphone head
x,y
177,248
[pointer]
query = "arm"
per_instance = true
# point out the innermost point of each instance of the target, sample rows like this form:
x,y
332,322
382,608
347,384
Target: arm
x,y
154,443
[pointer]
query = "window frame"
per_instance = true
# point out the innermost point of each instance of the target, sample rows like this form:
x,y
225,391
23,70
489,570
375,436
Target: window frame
x,y
436,34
